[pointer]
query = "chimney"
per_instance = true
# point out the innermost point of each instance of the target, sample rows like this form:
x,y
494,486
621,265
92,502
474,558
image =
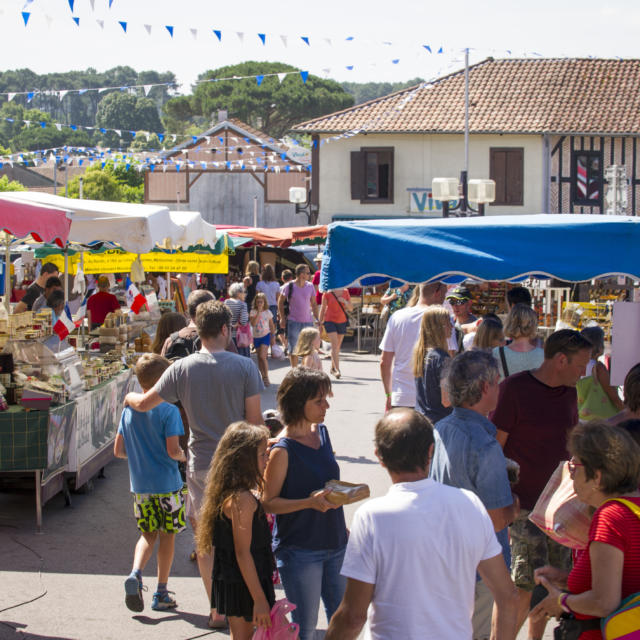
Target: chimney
x,y
222,115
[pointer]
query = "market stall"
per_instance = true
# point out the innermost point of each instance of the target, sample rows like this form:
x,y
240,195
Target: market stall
x,y
64,410
497,250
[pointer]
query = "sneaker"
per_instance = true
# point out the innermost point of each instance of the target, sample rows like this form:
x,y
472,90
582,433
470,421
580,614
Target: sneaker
x,y
163,600
133,593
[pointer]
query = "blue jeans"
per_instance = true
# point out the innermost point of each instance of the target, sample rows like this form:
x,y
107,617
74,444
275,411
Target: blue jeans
x,y
293,331
307,575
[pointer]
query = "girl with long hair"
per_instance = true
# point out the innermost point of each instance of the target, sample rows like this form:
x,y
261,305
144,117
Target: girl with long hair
x,y
307,348
233,521
169,323
264,333
429,359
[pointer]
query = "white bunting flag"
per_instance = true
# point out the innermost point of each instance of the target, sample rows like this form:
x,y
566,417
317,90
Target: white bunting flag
x,y
240,35
48,20
62,94
93,3
328,41
148,28
194,33
208,139
100,23
58,126
284,40
147,88
119,132
173,137
281,77
27,122
11,96
103,89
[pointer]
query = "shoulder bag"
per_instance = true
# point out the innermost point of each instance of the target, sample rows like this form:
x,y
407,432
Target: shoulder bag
x,y
503,359
350,320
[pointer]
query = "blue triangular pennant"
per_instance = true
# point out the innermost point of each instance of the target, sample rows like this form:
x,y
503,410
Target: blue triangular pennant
x,y
259,79
25,16
43,125
218,34
127,166
349,67
71,5
102,130
169,28
194,138
440,50
305,39
123,25
427,47
73,127
161,137
304,75
263,37
152,167
396,61
110,3
76,20
30,96
104,164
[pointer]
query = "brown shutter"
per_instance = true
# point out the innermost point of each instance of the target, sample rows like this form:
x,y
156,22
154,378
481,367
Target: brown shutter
x,y
497,172
515,171
357,175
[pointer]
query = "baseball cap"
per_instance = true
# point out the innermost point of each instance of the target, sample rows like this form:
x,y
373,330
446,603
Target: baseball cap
x,y
459,293
318,258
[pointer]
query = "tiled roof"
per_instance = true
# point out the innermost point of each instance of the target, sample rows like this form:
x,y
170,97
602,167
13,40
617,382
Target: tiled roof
x,y
535,95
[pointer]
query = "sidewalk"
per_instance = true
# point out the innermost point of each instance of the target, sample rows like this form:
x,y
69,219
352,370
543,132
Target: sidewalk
x,y
67,584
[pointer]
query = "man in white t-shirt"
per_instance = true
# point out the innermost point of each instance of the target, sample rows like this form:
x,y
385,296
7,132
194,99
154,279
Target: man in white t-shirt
x,y
400,338
412,554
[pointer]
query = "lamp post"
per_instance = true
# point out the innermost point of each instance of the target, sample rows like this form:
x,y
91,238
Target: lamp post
x,y
481,191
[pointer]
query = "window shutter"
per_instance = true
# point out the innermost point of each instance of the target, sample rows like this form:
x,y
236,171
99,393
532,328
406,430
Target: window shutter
x,y
515,170
357,175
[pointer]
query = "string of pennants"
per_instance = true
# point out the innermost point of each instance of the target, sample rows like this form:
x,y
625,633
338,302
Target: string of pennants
x,y
217,34
265,160
61,93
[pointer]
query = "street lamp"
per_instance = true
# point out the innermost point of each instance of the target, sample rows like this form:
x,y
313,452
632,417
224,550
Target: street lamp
x,y
478,191
302,199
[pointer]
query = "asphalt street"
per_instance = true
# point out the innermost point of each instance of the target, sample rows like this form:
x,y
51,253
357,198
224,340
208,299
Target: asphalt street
x,y
67,583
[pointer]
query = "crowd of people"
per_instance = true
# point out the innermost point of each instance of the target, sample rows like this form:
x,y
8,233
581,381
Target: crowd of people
x,y
469,437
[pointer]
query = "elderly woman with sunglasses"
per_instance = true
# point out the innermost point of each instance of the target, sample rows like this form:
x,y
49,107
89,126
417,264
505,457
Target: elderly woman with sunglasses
x,y
605,467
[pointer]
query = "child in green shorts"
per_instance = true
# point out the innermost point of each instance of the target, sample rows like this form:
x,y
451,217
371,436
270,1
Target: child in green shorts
x,y
150,442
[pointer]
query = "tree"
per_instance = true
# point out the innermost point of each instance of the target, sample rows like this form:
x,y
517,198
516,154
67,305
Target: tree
x,y
363,92
115,184
272,106
11,185
126,112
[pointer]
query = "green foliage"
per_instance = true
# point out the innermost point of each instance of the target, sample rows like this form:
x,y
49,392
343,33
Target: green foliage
x,y
116,184
140,143
363,92
177,114
274,106
11,185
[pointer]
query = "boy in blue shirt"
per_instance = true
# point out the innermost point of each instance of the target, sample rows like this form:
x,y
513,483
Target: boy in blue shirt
x,y
150,442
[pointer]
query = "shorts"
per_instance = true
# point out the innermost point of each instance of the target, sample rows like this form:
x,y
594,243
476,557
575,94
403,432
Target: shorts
x,y
196,483
335,327
159,511
532,549
293,331
264,341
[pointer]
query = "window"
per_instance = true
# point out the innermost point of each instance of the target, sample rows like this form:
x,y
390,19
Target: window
x,y
586,178
372,175
506,168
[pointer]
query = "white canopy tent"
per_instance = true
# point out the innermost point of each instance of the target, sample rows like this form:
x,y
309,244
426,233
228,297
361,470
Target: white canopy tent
x,y
137,228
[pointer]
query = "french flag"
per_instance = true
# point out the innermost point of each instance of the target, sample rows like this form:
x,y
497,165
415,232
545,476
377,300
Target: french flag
x,y
65,324
82,310
135,300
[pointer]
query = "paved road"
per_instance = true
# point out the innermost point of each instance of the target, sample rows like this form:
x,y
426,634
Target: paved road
x,y
67,584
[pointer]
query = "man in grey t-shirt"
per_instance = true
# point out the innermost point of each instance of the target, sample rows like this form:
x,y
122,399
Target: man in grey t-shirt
x,y
215,388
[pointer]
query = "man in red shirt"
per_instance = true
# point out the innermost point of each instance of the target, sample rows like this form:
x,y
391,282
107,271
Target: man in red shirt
x,y
535,411
101,303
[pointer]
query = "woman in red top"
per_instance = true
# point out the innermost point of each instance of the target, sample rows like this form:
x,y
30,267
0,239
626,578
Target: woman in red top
x,y
333,313
605,465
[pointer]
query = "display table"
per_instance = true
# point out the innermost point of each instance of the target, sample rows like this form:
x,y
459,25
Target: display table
x,y
74,438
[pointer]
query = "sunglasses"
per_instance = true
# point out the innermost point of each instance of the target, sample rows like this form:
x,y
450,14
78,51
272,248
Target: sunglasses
x,y
457,303
572,465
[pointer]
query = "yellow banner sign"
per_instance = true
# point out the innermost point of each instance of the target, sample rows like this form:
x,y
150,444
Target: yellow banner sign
x,y
118,262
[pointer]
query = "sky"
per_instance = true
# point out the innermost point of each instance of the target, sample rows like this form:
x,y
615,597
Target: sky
x,y
348,40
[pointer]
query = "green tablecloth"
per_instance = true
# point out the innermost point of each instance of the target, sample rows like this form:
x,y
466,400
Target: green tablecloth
x,y
23,439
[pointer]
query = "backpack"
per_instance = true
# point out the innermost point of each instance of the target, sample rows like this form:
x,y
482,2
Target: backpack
x,y
182,347
287,299
624,622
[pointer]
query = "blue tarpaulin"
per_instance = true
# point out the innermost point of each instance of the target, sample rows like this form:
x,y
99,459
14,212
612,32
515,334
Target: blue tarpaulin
x,y
570,247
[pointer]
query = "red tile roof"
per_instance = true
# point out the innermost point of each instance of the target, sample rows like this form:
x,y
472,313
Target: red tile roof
x,y
534,95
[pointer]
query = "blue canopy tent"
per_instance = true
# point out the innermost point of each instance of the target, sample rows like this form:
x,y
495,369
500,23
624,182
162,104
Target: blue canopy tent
x,y
569,247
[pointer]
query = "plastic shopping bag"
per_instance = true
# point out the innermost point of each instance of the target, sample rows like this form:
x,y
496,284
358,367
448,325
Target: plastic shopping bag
x,y
281,628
